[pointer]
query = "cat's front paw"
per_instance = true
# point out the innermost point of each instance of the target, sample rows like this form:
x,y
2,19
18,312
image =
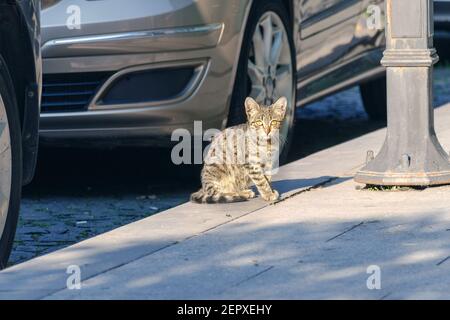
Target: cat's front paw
x,y
271,197
248,194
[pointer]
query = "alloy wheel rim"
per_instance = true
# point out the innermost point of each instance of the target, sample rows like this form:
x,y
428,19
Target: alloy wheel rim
x,y
5,166
270,71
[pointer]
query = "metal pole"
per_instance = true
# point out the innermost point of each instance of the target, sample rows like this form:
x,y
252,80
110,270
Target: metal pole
x,y
411,154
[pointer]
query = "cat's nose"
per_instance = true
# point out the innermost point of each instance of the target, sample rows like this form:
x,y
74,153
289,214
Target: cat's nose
x,y
268,129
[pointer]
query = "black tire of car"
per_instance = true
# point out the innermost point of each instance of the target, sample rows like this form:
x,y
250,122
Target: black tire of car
x,y
373,94
9,100
240,91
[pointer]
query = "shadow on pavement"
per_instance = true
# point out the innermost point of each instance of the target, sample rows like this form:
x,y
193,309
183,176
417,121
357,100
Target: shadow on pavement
x,y
290,259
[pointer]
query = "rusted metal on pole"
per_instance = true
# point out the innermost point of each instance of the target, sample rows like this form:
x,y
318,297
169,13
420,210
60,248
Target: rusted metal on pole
x,y
411,154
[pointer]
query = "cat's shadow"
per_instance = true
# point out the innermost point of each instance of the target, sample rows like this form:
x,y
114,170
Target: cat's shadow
x,y
289,186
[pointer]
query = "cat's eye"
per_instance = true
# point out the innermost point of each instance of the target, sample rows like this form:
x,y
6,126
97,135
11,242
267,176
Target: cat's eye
x,y
275,123
258,123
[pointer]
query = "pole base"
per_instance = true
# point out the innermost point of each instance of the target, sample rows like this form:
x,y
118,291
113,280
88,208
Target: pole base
x,y
426,165
419,179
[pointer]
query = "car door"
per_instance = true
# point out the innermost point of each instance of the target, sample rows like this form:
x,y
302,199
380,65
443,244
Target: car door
x,y
326,30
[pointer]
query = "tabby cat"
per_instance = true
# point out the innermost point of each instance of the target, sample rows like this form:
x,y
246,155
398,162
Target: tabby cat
x,y
244,155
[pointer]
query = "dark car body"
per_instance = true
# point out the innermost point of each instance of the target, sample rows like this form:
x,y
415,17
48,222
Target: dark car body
x,y
442,15
442,28
20,32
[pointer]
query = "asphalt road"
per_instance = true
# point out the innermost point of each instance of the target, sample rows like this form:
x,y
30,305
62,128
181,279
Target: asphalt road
x,y
79,193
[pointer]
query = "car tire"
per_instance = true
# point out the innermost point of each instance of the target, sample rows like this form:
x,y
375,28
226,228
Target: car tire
x,y
373,94
10,164
243,84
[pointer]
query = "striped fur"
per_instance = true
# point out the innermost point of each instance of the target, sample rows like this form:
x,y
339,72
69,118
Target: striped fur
x,y
242,156
200,197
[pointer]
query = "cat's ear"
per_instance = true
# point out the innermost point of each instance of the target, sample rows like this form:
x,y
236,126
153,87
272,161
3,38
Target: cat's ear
x,y
280,107
251,107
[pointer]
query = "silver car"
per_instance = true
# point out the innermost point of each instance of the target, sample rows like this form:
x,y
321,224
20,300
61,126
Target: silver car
x,y
131,72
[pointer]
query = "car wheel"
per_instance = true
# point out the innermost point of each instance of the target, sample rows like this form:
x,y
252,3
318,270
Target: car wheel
x,y
10,164
373,94
267,66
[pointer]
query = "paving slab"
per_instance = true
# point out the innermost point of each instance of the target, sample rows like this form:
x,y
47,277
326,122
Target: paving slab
x,y
301,250
316,243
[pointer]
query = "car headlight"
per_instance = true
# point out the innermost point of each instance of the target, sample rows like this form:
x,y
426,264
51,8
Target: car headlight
x,y
48,3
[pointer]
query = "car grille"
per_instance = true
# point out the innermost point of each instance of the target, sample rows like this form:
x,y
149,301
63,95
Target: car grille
x,y
70,92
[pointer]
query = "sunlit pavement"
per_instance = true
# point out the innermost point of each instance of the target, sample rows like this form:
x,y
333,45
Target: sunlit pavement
x,y
326,239
78,194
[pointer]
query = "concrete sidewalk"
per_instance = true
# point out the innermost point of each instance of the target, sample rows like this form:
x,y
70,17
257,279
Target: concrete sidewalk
x,y
316,243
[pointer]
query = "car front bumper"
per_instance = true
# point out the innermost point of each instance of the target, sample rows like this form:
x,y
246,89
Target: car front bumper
x,y
141,38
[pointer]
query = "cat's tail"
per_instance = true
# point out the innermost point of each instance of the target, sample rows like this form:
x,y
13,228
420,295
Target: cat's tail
x,y
201,197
